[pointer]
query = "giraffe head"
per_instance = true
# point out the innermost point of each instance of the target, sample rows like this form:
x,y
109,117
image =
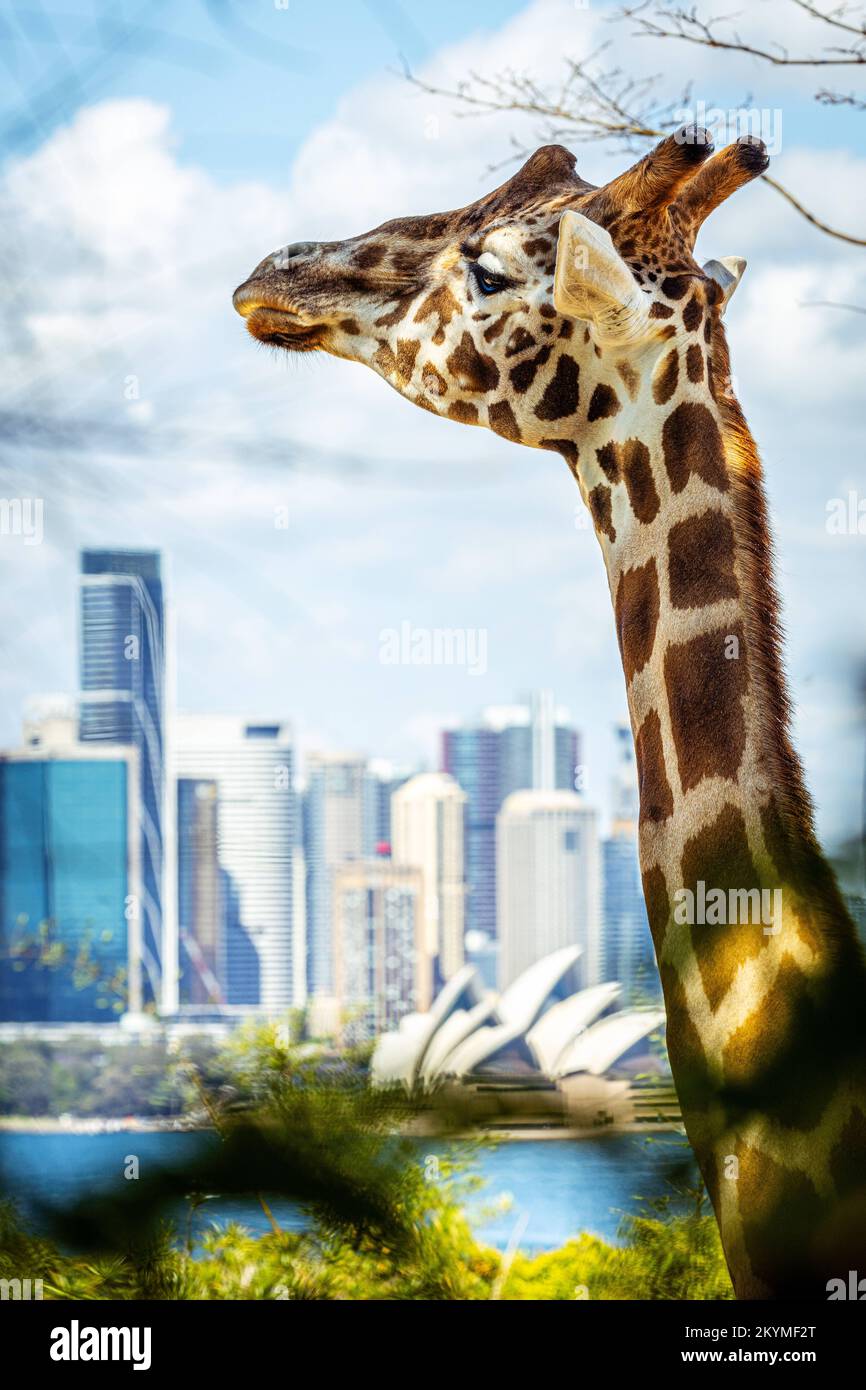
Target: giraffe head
x,y
535,311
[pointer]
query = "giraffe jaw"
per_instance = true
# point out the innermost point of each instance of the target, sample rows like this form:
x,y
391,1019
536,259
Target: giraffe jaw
x,y
274,323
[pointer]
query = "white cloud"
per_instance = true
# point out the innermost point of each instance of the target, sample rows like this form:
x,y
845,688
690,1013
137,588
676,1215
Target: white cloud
x,y
122,262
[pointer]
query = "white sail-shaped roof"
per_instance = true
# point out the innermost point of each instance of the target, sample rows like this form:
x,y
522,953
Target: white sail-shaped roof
x,y
596,1050
397,1057
522,1001
457,1027
518,1008
550,1036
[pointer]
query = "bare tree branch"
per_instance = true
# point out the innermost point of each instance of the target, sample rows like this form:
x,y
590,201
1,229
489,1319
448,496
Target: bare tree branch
x,y
689,27
810,216
840,99
595,103
834,17
831,304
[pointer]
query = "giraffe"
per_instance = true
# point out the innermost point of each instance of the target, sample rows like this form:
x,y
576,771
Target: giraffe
x,y
574,318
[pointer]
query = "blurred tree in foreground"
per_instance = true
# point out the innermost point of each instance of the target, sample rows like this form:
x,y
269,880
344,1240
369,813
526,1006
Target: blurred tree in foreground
x,y
377,1227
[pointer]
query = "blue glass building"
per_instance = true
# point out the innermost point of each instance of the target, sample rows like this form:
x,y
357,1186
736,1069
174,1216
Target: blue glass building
x,y
200,894
490,761
628,951
122,700
627,947
343,820
68,887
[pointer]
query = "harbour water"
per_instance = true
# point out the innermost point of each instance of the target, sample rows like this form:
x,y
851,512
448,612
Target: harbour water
x,y
543,1191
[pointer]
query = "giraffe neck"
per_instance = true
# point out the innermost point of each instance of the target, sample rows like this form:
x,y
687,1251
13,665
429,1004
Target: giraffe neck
x,y
763,977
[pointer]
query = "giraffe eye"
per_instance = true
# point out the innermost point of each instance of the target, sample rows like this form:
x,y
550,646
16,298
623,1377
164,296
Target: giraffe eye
x,y
487,281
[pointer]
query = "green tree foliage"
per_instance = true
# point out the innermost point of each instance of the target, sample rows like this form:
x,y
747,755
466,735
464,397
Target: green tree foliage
x,y
380,1221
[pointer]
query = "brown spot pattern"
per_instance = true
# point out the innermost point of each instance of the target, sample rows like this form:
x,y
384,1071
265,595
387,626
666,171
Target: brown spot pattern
x,y
685,1049
602,512
561,393
720,857
501,418
464,411
369,255
692,444
701,561
523,375
656,797
407,351
639,481
385,360
674,286
471,369
440,302
658,904
705,690
637,616
695,363
608,461
629,376
493,332
780,1209
692,314
665,379
519,341
604,402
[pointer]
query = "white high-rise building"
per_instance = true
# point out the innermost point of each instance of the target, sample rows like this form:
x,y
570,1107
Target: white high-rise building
x,y
381,971
427,815
548,881
252,764
339,828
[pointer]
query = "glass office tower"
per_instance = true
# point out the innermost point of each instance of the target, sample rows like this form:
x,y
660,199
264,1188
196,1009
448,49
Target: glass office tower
x,y
237,838
122,700
512,748
69,886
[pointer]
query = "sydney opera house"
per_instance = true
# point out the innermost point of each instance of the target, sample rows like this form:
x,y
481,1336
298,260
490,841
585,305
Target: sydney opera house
x,y
542,1053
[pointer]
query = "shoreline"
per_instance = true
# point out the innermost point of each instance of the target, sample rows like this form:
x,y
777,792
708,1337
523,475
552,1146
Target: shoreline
x,y
156,1124
101,1124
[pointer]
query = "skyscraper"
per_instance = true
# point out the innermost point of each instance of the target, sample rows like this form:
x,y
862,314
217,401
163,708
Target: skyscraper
x,y
70,891
201,907
380,965
628,953
549,886
251,767
512,748
122,701
342,820
427,823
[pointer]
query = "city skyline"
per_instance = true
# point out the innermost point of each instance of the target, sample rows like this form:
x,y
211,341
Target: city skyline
x,y
304,510
253,910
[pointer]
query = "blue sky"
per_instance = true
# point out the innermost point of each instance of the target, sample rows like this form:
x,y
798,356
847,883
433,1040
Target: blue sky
x,y
245,82
162,169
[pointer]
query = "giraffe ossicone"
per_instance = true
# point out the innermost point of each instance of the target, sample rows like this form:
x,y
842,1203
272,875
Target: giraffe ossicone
x,y
575,318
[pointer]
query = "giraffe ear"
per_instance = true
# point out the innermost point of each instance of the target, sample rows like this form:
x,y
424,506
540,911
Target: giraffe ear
x,y
593,282
727,272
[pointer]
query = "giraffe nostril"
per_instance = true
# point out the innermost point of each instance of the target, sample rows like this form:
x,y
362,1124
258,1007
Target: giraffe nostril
x,y
281,258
